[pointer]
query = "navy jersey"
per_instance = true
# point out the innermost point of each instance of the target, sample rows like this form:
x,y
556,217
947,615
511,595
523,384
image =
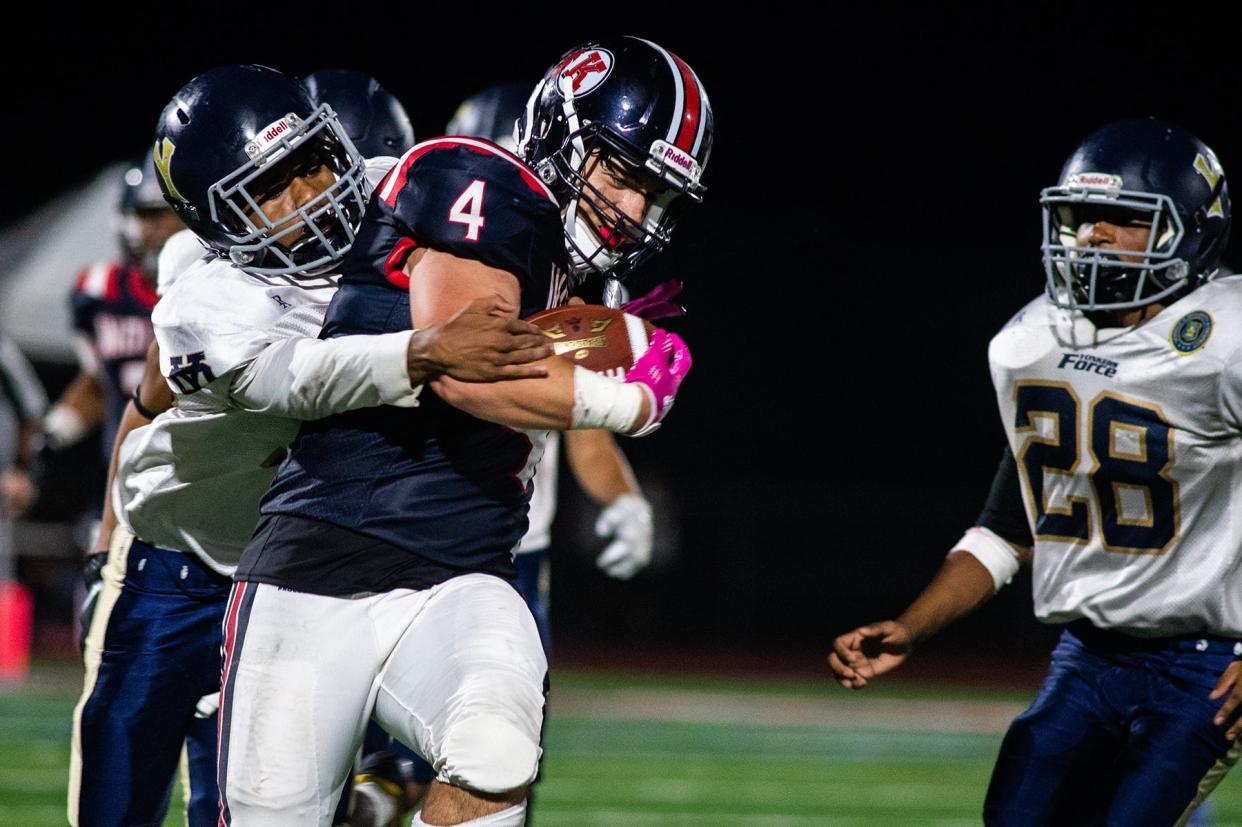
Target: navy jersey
x,y
432,484
111,307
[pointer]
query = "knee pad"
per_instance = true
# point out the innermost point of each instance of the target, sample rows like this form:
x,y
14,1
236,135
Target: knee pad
x,y
490,754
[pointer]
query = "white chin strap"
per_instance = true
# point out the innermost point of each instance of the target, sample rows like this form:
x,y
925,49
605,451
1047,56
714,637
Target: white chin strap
x,y
588,253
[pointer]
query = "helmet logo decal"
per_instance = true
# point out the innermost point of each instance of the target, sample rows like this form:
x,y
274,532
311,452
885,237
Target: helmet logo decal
x,y
1209,168
162,155
1191,332
667,155
586,70
271,134
1112,184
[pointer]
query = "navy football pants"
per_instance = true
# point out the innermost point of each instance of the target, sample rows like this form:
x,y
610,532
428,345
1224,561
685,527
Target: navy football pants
x,y
1121,733
160,654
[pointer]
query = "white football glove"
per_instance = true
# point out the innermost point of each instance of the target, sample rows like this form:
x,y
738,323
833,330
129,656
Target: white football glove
x,y
207,706
628,522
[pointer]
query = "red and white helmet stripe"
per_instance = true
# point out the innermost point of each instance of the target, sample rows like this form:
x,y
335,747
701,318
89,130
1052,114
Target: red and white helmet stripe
x,y
690,110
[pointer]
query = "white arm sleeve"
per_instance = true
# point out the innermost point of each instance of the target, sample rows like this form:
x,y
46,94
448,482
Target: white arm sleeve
x,y
990,549
304,378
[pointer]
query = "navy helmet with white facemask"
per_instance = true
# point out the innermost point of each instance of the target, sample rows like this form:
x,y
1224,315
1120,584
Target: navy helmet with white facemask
x,y
237,136
1136,170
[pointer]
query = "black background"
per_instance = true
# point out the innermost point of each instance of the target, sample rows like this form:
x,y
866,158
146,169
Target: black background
x,y
872,219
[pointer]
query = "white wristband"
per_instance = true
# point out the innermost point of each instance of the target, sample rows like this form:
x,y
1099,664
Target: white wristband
x,y
600,402
995,554
64,425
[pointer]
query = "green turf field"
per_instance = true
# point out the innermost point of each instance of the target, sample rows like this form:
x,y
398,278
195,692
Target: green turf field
x,y
625,750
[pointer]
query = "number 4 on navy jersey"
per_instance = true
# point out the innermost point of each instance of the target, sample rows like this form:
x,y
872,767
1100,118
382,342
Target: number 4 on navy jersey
x,y
468,209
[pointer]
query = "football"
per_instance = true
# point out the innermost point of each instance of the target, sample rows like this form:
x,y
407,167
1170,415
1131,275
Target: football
x,y
596,337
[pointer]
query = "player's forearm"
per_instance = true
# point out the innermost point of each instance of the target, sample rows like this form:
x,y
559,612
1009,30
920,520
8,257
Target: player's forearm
x,y
313,378
599,465
564,399
79,409
961,585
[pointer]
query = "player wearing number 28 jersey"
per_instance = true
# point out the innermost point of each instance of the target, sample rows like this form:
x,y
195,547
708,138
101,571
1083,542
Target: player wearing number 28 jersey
x,y
1120,391
1129,456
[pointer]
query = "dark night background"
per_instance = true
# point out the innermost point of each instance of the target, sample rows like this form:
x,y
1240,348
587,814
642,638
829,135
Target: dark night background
x,y
872,219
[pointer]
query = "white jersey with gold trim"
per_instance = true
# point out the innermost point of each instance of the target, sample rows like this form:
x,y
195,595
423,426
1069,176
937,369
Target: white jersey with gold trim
x,y
1129,447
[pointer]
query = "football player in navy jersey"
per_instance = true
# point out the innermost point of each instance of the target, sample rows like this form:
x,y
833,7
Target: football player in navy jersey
x,y
111,309
596,461
377,581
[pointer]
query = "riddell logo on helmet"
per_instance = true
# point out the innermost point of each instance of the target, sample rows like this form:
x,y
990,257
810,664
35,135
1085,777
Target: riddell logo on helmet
x,y
667,154
585,70
272,133
1094,180
678,158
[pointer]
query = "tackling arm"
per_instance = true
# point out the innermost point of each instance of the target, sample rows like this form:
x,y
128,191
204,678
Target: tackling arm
x,y
304,378
439,284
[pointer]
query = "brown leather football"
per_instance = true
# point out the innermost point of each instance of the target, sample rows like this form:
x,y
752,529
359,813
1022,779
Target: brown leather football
x,y
596,337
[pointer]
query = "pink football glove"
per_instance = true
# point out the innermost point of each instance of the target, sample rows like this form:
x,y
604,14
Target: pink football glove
x,y
657,304
660,371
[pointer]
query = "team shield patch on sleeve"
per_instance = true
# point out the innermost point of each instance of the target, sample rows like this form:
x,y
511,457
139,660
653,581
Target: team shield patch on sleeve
x,y
1191,332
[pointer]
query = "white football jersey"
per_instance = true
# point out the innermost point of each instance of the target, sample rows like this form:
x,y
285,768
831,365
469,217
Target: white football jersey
x,y
180,251
192,479
1129,448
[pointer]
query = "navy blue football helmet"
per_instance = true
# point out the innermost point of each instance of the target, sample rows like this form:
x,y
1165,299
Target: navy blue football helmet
x,y
1136,169
141,198
376,121
622,98
235,137
491,114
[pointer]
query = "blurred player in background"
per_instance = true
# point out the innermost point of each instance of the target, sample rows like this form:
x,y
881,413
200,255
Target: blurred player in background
x,y
111,307
375,583
22,406
271,184
1121,393
376,122
22,403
